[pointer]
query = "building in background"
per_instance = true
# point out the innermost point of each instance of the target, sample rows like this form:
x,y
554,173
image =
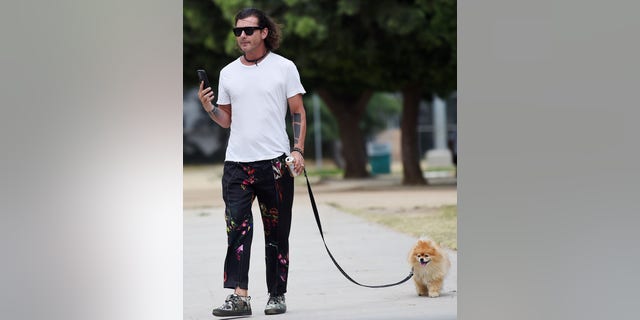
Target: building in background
x,y
438,132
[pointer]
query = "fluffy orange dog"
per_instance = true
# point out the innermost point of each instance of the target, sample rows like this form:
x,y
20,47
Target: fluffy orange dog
x,y
430,265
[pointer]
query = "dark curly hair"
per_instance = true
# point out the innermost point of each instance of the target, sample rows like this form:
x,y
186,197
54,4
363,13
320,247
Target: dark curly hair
x,y
272,41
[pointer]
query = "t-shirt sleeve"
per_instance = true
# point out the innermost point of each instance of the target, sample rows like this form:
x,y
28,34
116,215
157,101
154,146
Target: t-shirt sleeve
x,y
223,95
294,86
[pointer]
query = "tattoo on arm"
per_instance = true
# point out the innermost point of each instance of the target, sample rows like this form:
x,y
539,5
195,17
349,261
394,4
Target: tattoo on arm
x,y
297,122
214,112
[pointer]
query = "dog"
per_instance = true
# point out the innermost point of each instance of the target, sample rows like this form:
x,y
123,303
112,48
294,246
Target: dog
x,y
430,265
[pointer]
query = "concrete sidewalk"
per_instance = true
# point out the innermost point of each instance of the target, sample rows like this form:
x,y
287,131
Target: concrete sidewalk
x,y
369,253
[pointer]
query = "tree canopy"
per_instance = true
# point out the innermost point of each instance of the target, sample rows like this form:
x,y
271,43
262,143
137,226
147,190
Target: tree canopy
x,y
345,51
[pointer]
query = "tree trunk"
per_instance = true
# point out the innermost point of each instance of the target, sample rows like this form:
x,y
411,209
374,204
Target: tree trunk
x,y
411,172
348,110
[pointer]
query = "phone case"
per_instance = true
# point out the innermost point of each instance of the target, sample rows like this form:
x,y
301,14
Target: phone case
x,y
202,75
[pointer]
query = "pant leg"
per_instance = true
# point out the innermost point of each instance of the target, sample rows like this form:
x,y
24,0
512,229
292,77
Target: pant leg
x,y
275,196
238,195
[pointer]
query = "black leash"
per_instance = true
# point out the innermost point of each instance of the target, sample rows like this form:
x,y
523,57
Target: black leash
x,y
315,212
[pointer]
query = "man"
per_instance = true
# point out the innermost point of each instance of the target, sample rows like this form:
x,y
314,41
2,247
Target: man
x,y
253,94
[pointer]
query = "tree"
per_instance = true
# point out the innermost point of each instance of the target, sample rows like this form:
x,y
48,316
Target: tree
x,y
203,29
423,36
334,42
346,50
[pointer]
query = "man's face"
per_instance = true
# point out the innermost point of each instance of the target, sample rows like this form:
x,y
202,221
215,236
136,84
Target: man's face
x,y
248,43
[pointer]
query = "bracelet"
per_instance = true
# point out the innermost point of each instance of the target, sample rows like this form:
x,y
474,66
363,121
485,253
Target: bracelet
x,y
213,111
298,149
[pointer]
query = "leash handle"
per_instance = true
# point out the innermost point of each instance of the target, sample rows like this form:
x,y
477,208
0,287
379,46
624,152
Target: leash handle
x,y
317,216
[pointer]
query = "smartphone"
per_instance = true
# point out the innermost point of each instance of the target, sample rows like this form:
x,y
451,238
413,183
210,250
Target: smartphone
x,y
202,75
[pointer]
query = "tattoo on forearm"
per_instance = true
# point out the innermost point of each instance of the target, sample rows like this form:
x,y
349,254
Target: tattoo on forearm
x,y
215,112
297,123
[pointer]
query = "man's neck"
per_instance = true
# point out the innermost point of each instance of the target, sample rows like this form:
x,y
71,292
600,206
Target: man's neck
x,y
255,59
256,53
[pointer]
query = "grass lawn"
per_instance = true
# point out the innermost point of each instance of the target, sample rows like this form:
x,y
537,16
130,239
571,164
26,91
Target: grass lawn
x,y
440,224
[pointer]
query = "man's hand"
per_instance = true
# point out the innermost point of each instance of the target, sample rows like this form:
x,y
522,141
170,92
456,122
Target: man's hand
x,y
206,96
298,162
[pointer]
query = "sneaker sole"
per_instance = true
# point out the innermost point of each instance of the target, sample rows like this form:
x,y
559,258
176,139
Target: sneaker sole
x,y
274,311
231,313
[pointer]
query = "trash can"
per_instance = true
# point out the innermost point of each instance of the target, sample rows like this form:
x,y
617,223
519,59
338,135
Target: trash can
x,y
379,157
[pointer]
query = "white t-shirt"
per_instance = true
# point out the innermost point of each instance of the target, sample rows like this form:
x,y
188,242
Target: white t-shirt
x,y
258,96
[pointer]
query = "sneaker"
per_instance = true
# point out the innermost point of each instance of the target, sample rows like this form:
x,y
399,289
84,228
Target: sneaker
x,y
275,305
234,305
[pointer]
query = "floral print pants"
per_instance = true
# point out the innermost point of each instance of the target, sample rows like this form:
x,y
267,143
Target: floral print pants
x,y
271,183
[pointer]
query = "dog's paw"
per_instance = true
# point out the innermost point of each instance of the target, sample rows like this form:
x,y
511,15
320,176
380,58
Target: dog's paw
x,y
434,294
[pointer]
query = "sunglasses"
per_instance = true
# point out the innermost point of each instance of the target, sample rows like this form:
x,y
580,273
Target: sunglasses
x,y
247,30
